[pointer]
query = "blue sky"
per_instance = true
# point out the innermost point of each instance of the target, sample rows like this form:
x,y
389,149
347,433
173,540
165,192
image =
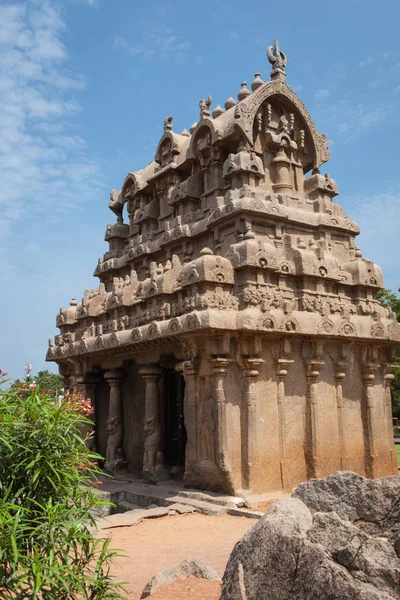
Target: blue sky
x,y
86,84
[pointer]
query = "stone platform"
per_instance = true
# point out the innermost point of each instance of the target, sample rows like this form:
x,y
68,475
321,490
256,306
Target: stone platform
x,y
135,500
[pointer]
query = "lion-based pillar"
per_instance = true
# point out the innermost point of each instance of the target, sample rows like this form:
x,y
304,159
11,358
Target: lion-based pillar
x,y
153,459
87,387
115,425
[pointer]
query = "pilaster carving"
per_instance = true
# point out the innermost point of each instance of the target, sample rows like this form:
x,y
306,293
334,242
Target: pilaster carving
x,y
251,371
313,367
341,367
115,425
190,373
153,459
282,365
369,365
220,369
388,376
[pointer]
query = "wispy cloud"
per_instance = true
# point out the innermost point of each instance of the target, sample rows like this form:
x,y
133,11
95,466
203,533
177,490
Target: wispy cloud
x,y
160,43
321,94
43,166
379,230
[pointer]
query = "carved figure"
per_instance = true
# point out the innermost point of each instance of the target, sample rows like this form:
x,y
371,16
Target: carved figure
x,y
114,441
153,457
205,106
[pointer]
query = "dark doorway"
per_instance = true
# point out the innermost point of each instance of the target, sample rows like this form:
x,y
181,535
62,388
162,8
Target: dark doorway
x,y
174,426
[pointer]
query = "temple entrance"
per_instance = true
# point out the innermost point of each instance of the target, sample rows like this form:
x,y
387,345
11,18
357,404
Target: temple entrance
x,y
174,427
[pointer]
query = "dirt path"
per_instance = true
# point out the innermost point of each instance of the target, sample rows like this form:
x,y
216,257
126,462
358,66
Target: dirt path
x,y
157,544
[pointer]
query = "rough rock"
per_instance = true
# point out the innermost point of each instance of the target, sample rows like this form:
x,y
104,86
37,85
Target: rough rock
x,y
181,509
351,496
373,504
193,567
292,553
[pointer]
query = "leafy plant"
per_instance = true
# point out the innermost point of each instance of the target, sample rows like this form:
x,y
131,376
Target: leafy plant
x,y
47,547
389,299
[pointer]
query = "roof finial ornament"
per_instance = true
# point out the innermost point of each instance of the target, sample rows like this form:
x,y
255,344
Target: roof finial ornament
x,y
278,61
205,107
168,124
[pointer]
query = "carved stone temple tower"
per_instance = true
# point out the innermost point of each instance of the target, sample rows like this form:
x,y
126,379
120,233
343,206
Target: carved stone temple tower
x,y
235,335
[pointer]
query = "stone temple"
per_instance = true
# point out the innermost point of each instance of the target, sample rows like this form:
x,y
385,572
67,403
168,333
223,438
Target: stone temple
x,y
235,336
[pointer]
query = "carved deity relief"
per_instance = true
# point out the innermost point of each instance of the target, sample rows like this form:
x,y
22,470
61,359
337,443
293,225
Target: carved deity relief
x,y
280,137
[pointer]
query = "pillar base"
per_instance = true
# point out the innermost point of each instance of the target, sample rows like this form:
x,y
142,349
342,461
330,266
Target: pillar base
x,y
154,476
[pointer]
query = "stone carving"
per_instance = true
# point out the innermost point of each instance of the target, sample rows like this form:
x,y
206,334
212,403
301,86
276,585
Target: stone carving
x,y
234,255
278,61
153,457
114,441
207,428
205,107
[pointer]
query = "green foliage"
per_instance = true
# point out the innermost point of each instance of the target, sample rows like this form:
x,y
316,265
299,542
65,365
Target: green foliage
x,y
50,383
47,548
389,299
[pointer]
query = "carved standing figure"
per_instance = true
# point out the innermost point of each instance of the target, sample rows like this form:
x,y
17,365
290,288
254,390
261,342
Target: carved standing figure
x,y
153,457
114,441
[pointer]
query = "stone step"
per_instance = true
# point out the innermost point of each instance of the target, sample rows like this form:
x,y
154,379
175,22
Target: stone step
x,y
218,499
245,512
205,508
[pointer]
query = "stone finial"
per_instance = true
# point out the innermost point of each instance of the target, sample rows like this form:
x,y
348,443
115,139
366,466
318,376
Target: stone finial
x,y
205,107
185,132
168,123
193,127
218,111
257,82
278,61
230,103
243,92
73,302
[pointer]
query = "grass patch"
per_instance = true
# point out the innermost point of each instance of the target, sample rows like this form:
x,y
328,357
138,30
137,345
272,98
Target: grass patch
x,y
397,446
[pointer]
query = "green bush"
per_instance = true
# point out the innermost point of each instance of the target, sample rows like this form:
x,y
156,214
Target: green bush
x,y
47,548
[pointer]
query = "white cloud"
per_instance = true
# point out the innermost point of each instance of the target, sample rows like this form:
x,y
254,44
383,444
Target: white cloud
x,y
159,43
352,120
366,61
42,165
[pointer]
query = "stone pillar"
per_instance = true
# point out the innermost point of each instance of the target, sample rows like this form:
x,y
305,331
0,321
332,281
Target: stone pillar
x,y
249,448
115,424
281,371
340,374
153,459
190,372
86,386
388,376
314,365
90,393
368,376
220,369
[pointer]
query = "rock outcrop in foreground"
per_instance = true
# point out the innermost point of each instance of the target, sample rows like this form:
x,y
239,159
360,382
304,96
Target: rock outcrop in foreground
x,y
336,538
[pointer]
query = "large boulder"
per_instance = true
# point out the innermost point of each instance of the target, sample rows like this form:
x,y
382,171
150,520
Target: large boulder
x,y
326,543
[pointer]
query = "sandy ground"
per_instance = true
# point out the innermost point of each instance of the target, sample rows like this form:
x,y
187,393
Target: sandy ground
x,y
157,544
